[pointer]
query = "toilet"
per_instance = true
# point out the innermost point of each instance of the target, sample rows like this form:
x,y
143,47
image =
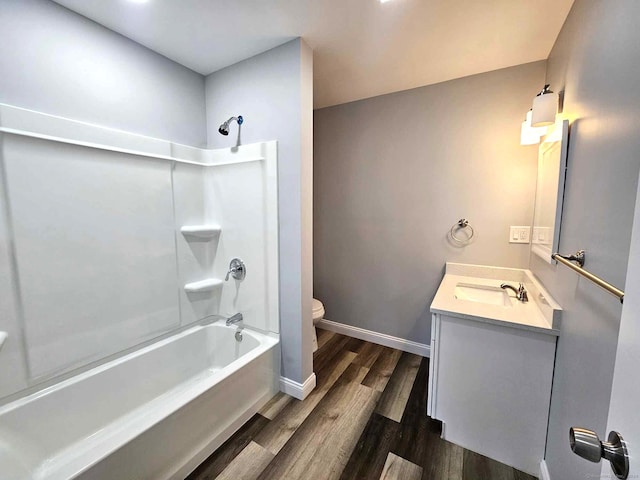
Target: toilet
x,y
317,314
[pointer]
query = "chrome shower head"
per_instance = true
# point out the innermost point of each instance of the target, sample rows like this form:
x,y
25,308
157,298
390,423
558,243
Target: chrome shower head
x,y
224,128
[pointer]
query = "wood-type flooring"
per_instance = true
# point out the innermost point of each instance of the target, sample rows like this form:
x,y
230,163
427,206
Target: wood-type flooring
x,y
366,420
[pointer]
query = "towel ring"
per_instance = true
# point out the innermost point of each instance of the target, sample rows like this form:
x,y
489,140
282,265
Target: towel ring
x,y
461,224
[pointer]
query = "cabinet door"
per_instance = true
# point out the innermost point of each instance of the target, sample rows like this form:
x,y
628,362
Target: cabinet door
x,y
493,385
433,366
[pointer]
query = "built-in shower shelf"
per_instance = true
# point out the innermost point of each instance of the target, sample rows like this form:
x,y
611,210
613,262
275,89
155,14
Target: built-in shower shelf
x,y
203,285
201,231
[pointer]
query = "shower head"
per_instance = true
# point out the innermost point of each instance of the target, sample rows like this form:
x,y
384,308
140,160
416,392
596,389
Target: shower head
x,y
224,128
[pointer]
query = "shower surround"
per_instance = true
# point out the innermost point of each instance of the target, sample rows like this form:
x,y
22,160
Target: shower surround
x,y
113,253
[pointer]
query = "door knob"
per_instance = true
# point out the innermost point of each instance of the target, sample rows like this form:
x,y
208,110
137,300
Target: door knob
x,y
586,444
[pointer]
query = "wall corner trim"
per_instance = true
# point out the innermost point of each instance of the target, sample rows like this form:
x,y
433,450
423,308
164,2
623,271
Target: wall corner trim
x,y
298,390
375,337
544,471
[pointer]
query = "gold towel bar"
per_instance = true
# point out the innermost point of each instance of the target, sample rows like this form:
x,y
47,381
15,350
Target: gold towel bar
x,y
579,257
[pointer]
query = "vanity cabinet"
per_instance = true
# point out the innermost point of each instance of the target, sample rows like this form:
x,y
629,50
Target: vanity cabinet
x,y
490,385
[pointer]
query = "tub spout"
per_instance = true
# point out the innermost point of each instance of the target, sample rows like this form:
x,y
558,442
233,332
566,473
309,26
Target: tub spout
x,y
233,319
237,318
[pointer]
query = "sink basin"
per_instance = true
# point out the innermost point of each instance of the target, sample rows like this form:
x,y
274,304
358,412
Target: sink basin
x,y
482,294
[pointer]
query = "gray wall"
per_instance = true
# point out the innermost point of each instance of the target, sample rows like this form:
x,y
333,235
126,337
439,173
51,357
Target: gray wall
x,y
272,91
55,61
596,61
395,172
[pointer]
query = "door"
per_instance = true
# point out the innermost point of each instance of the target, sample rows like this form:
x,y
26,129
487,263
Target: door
x,y
625,395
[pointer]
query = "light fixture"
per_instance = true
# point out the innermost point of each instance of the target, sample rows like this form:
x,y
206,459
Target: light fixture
x,y
545,107
530,135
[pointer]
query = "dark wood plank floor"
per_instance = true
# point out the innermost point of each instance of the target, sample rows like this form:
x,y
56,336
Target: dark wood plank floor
x,y
366,419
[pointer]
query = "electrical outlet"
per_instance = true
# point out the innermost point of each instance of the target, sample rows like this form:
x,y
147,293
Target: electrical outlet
x,y
542,235
519,234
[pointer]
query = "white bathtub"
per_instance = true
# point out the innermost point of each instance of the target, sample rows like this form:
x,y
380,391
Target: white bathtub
x,y
153,414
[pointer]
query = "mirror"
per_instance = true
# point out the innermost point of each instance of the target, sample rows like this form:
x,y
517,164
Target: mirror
x,y
552,167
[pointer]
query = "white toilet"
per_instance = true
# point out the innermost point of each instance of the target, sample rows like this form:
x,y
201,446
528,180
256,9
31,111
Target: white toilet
x,y
317,314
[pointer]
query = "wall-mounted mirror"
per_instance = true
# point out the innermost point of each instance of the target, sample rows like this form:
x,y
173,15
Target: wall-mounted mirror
x,y
552,167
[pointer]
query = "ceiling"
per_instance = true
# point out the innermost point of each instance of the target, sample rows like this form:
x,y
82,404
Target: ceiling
x,y
362,48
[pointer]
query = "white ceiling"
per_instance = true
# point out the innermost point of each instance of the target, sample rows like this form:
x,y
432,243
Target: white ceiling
x,y
362,48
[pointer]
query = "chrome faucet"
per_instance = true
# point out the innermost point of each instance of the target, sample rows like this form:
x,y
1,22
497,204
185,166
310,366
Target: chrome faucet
x,y
232,320
521,293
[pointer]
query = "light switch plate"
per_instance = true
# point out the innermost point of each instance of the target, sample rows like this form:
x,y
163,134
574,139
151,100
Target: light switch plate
x,y
519,234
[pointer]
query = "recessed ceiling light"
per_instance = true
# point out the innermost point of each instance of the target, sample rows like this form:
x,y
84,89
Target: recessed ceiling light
x,y
138,1
384,1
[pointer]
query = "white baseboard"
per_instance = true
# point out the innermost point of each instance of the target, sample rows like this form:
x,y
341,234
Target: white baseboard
x,y
374,337
544,471
298,390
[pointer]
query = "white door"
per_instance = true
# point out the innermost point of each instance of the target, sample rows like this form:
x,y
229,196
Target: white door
x,y
624,414
624,417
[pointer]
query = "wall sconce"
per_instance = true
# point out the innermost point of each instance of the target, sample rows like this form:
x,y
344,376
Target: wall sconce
x,y
545,107
530,135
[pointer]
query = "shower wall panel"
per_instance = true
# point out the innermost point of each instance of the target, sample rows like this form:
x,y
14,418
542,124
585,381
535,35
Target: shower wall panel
x,y
95,250
196,255
236,199
14,378
94,261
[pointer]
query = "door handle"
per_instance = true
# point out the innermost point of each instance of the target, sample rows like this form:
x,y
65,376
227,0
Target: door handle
x,y
586,444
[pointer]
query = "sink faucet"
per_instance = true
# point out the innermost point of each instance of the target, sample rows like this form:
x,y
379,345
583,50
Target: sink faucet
x,y
521,293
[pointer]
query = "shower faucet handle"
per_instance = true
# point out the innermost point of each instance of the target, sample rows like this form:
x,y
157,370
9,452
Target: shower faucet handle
x,y
237,270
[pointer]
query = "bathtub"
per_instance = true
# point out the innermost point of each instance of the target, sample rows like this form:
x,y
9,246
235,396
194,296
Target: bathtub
x,y
153,414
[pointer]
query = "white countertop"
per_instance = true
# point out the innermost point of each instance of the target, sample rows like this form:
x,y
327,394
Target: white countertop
x,y
540,314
